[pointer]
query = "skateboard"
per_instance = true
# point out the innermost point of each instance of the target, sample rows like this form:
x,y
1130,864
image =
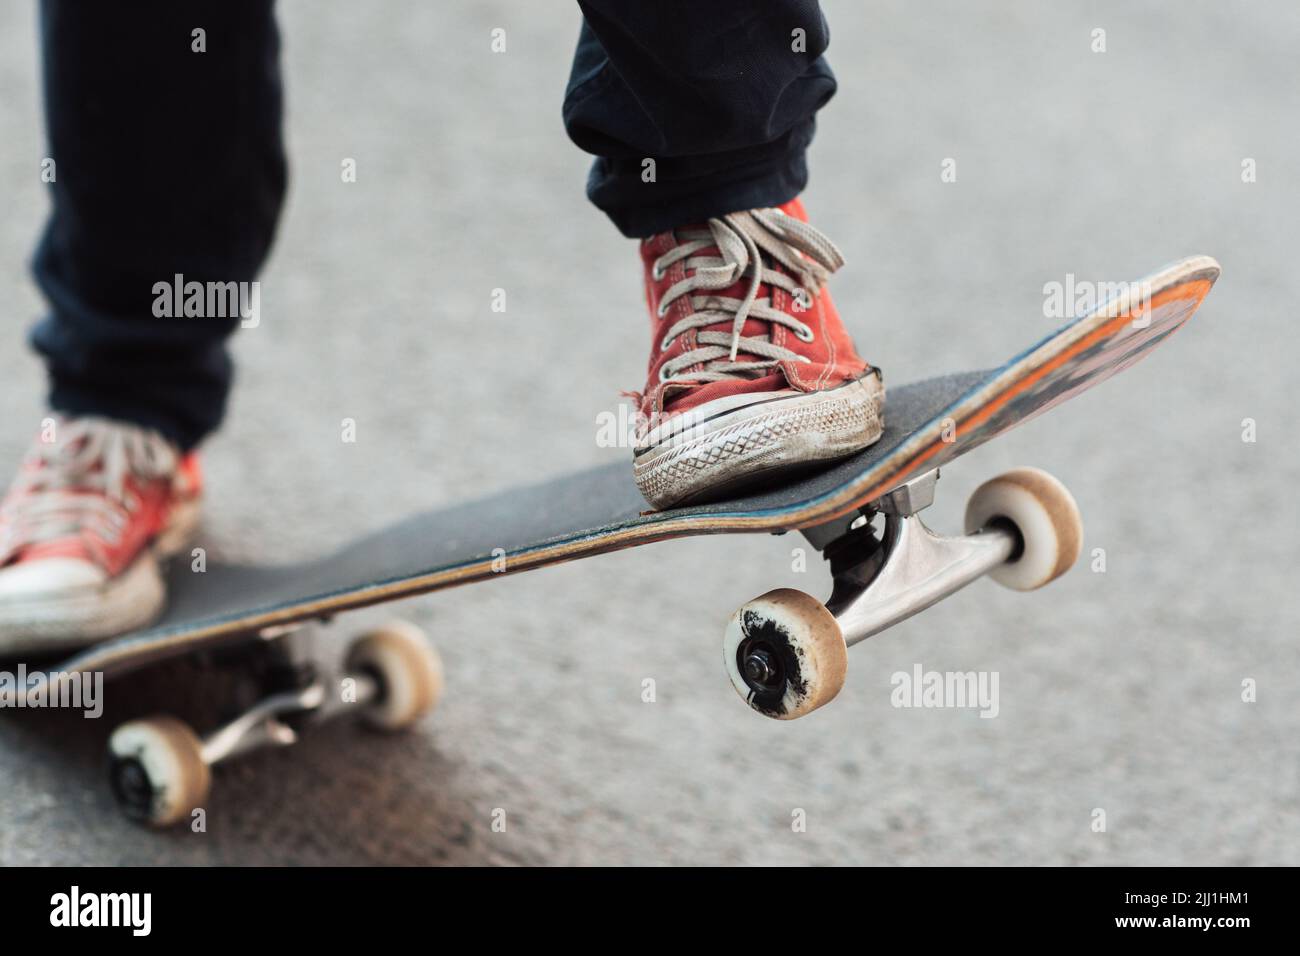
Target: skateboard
x,y
785,652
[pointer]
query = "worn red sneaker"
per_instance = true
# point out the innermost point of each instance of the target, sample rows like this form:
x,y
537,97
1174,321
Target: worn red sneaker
x,y
82,530
751,371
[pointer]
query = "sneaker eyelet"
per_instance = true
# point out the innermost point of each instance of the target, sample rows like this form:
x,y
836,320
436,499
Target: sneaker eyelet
x,y
666,344
662,369
661,309
804,334
657,273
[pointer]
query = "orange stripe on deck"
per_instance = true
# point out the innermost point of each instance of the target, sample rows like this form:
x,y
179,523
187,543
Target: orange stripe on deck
x,y
1198,289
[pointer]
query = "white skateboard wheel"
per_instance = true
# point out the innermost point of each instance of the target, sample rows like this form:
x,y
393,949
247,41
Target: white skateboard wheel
x,y
785,654
407,668
158,773
1045,516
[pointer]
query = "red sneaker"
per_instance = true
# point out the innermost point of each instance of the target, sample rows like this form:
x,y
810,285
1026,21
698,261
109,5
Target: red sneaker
x,y
751,371
82,530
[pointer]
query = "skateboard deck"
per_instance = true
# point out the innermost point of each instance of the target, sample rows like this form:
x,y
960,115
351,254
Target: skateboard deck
x,y
785,652
927,424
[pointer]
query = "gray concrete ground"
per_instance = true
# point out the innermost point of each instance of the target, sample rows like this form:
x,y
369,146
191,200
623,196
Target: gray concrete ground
x,y
1120,690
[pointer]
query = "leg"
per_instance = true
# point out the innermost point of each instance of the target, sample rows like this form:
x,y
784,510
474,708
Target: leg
x,y
752,375
168,161
720,95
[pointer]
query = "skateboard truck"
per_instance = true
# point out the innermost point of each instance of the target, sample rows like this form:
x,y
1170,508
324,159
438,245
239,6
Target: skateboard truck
x,y
911,567
786,652
278,719
160,768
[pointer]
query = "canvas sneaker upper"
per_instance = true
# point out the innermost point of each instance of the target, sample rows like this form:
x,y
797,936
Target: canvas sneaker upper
x,y
93,506
751,371
738,305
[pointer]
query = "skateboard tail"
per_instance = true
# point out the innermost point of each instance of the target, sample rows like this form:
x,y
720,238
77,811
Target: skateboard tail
x,y
1075,358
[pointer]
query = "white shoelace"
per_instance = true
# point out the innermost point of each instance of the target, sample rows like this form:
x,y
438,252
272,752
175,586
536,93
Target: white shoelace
x,y
742,239
79,482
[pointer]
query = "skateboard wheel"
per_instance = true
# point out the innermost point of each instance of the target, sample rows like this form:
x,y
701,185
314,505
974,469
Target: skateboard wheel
x,y
407,669
785,654
1046,518
157,770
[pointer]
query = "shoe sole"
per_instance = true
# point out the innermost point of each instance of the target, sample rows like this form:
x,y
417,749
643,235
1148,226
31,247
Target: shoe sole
x,y
760,442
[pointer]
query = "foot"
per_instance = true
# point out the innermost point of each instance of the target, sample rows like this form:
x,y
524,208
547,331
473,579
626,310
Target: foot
x,y
82,532
752,374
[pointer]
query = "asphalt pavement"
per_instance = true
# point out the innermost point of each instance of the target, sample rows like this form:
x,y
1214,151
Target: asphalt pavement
x,y
1121,690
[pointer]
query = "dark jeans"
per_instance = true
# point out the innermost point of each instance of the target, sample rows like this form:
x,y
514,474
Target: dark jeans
x,y
714,93
171,162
